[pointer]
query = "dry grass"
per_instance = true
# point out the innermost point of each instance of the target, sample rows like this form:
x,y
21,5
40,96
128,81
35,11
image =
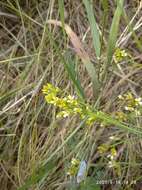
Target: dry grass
x,y
35,147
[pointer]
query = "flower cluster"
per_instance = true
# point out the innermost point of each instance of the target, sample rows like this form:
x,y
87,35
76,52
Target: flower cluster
x,y
112,161
74,167
69,105
111,155
131,105
121,116
119,55
103,148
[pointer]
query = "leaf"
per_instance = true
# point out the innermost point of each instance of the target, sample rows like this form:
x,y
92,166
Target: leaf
x,y
82,54
107,119
62,16
70,67
93,24
114,31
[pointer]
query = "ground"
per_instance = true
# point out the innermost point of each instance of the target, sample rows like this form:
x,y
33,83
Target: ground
x,y
70,94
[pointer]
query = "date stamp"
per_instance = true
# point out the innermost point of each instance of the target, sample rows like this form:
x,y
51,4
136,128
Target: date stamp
x,y
115,182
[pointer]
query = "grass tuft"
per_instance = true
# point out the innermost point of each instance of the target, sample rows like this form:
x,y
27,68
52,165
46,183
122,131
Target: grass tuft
x,y
70,95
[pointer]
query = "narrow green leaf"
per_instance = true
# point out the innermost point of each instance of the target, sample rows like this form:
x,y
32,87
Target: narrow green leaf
x,y
62,16
114,31
70,67
107,119
94,77
93,25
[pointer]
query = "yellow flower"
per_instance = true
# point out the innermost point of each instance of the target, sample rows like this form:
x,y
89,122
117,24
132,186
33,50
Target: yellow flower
x,y
63,114
122,116
77,110
49,88
73,169
119,55
103,148
75,162
138,101
90,120
113,152
120,97
112,164
129,108
138,113
69,105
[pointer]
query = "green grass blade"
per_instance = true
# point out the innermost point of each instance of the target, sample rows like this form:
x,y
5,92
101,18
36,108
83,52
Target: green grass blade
x,y
70,67
112,121
114,31
76,82
93,25
62,16
94,77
